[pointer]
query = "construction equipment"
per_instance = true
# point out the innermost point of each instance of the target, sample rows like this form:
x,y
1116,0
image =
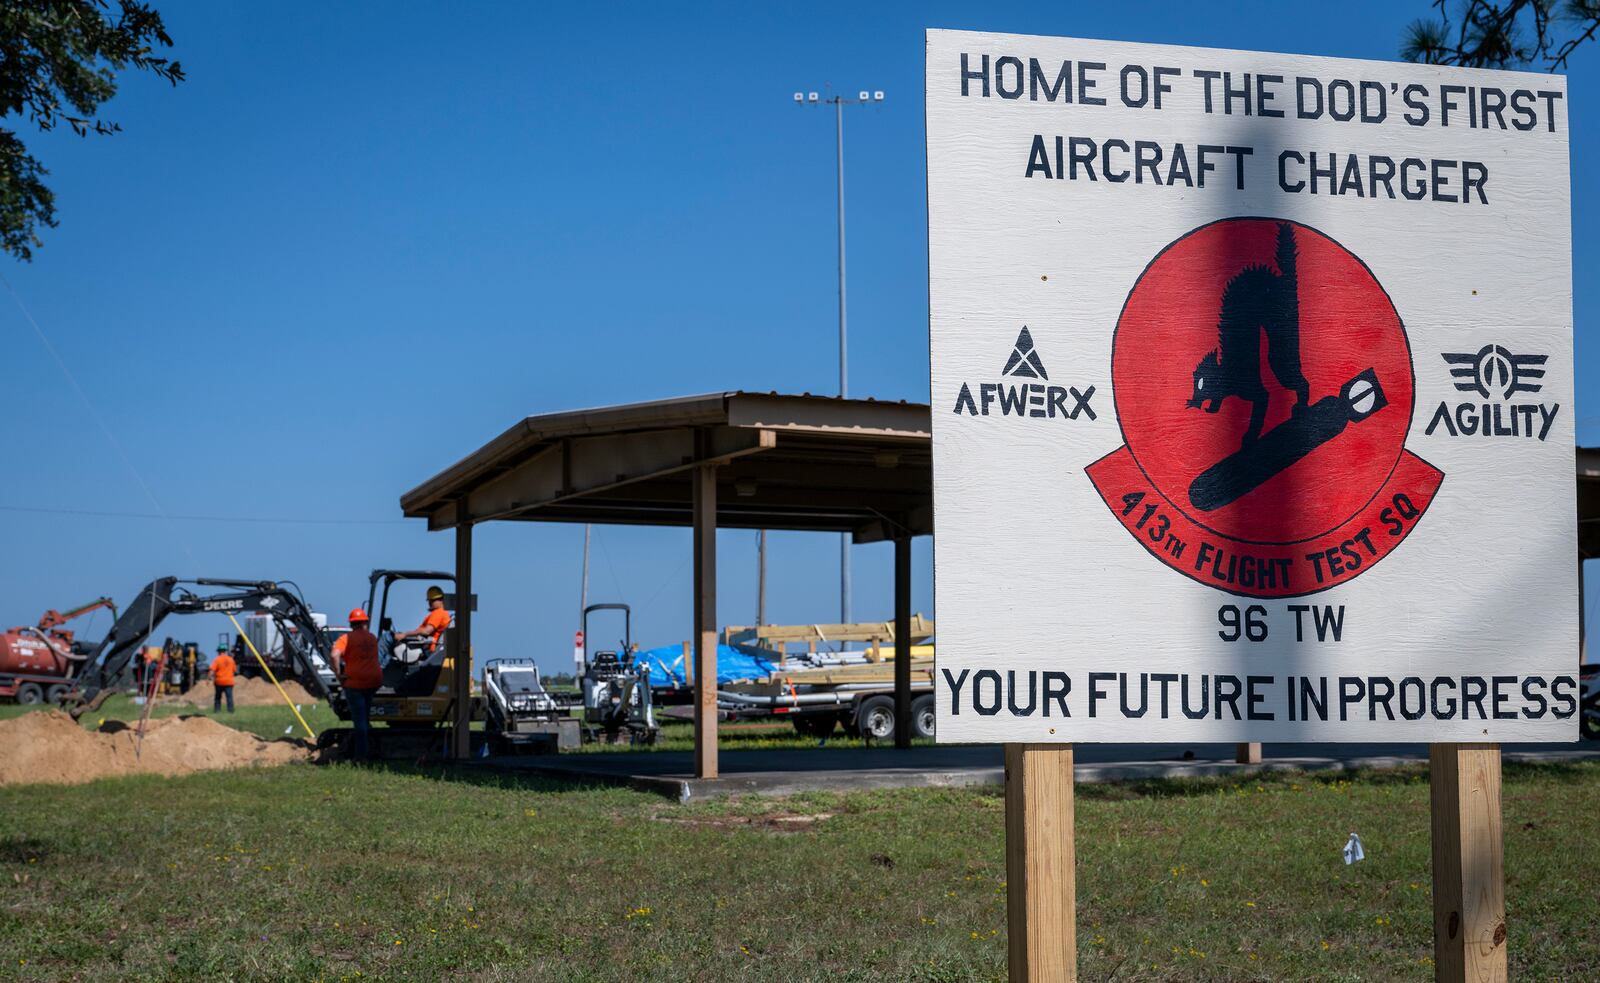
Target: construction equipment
x,y
182,666
416,699
107,664
521,716
417,673
38,662
270,640
616,694
416,693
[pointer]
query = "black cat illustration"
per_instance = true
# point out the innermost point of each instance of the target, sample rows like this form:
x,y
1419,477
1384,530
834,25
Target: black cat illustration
x,y
1256,301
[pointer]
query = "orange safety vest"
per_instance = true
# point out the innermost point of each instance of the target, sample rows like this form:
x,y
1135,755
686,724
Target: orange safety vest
x,y
360,660
438,620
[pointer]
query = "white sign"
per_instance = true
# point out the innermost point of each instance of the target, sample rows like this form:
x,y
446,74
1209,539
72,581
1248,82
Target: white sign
x,y
1252,393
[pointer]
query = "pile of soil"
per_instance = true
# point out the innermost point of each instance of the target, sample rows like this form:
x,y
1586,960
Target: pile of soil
x,y
248,692
51,747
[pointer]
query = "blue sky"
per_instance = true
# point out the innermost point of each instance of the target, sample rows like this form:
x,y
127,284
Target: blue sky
x,y
364,238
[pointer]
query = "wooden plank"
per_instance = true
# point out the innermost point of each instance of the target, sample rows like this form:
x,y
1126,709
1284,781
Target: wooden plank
x,y
903,725
1469,908
921,629
1247,752
461,654
1041,892
869,672
705,621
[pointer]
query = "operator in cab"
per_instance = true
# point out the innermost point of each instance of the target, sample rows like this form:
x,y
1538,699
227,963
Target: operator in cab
x,y
433,626
355,661
222,669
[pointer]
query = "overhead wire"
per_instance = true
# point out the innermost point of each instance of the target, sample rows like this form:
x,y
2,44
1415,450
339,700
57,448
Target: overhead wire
x,y
167,516
94,412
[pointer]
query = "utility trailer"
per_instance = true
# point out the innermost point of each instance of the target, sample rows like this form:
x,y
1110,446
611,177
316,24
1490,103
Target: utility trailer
x,y
815,701
818,691
521,716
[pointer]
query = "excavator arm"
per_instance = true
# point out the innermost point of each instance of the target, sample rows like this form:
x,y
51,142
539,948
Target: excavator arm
x,y
55,619
168,596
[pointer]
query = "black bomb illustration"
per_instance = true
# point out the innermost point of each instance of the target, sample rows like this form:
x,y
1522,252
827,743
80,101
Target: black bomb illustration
x,y
1263,382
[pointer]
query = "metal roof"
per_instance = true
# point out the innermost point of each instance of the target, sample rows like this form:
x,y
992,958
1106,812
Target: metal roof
x,y
783,462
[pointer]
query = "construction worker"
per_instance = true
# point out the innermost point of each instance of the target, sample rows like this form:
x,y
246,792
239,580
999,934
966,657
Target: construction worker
x,y
355,660
222,669
151,657
433,625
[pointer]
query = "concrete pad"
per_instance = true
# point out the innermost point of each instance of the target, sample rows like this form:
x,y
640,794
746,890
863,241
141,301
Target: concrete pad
x,y
845,769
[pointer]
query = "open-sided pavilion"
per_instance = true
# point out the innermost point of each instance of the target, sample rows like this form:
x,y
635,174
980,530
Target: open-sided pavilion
x,y
736,460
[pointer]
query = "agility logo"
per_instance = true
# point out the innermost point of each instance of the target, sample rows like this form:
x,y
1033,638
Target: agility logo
x,y
1495,368
1263,383
1495,374
1032,399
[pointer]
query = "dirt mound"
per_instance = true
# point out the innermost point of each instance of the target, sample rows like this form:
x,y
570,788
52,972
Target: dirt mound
x,y
51,747
247,692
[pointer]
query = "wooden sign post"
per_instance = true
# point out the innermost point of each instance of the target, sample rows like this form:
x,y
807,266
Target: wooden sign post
x,y
1469,907
1041,884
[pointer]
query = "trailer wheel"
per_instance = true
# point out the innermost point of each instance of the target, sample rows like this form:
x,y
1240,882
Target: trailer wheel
x,y
876,718
29,694
55,693
922,716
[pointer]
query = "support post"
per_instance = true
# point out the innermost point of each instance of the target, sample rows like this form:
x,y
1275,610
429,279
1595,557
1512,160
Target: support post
x,y
461,678
705,621
1247,752
1041,893
903,725
1469,908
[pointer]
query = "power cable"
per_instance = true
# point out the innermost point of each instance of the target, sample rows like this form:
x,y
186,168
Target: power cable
x,y
271,520
89,404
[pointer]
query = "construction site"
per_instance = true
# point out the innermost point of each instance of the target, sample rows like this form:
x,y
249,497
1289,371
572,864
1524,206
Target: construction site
x,y
472,518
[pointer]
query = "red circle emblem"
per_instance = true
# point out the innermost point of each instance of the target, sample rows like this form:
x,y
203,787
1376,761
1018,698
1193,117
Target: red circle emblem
x,y
1263,383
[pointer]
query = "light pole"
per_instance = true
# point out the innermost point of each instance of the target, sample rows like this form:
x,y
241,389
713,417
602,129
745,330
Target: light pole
x,y
838,103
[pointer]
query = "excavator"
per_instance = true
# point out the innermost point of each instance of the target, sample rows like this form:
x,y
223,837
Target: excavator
x,y
107,663
414,701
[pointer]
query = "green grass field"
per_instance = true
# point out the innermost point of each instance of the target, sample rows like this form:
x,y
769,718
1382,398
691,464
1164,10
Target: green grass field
x,y
304,872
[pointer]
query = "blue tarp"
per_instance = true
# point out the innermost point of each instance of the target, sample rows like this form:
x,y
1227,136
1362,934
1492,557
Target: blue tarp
x,y
666,668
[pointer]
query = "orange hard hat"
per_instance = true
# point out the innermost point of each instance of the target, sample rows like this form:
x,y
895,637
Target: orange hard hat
x,y
356,614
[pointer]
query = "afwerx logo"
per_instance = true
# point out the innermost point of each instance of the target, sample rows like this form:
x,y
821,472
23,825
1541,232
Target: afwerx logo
x,y
1024,361
1024,399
